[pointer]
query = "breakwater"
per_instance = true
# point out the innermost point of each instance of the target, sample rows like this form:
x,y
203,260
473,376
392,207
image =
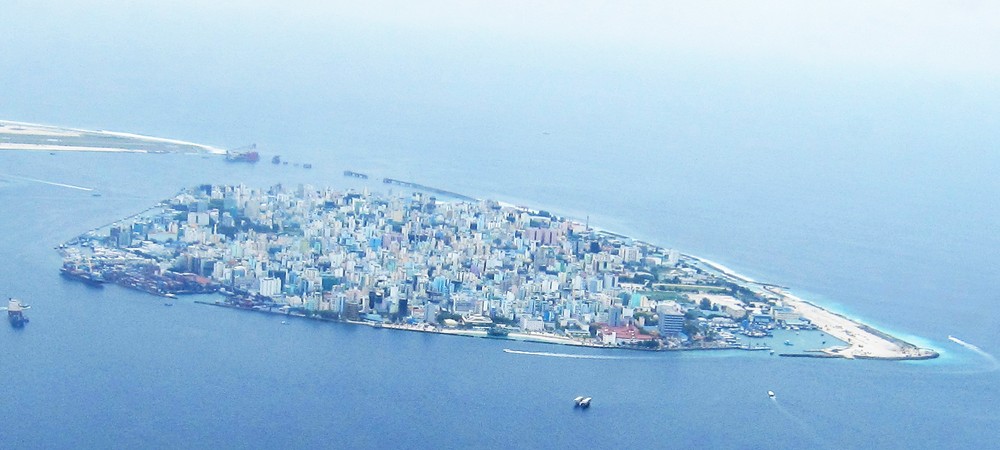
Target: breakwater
x,y
433,190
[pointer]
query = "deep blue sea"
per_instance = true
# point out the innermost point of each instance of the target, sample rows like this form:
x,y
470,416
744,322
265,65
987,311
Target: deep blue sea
x,y
869,191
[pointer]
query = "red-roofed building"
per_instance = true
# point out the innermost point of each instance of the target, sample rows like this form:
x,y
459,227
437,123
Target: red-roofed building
x,y
623,335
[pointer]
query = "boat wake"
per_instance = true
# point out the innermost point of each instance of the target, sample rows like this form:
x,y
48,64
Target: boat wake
x,y
52,183
566,355
995,365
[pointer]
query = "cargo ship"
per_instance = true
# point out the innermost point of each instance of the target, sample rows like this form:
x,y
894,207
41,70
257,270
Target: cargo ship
x,y
243,154
15,313
90,278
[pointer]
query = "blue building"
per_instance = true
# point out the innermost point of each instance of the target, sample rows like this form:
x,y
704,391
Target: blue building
x,y
615,316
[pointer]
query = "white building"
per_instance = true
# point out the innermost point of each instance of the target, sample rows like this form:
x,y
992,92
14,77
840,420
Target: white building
x,y
270,286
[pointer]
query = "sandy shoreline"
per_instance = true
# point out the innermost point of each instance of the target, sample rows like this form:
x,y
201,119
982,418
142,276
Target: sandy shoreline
x,y
64,148
863,340
10,127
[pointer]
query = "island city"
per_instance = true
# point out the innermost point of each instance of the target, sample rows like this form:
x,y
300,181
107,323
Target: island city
x,y
420,259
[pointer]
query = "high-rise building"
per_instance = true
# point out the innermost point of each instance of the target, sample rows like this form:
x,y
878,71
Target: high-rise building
x,y
671,319
270,286
121,237
430,313
404,308
615,316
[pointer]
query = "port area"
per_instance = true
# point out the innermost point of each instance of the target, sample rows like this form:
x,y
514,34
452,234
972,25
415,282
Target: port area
x,y
481,268
108,255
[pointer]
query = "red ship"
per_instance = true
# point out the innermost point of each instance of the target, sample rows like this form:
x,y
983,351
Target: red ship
x,y
243,154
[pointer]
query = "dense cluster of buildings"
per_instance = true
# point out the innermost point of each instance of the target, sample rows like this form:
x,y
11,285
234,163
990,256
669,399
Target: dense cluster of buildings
x,y
410,258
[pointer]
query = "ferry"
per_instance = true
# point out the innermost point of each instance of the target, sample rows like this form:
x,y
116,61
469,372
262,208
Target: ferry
x,y
15,313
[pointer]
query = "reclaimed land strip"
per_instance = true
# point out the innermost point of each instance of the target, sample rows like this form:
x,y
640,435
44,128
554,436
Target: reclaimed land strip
x,y
476,268
23,136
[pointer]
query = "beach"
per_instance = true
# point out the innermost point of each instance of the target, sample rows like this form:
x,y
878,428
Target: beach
x,y
863,341
78,140
64,148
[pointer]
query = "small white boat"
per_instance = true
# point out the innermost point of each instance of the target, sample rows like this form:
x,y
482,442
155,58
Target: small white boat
x,y
585,403
577,400
770,394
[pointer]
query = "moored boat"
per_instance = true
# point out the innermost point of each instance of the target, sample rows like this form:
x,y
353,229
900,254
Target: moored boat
x,y
497,331
91,278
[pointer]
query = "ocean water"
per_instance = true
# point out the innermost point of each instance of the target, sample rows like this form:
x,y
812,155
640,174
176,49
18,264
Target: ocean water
x,y
870,191
148,375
